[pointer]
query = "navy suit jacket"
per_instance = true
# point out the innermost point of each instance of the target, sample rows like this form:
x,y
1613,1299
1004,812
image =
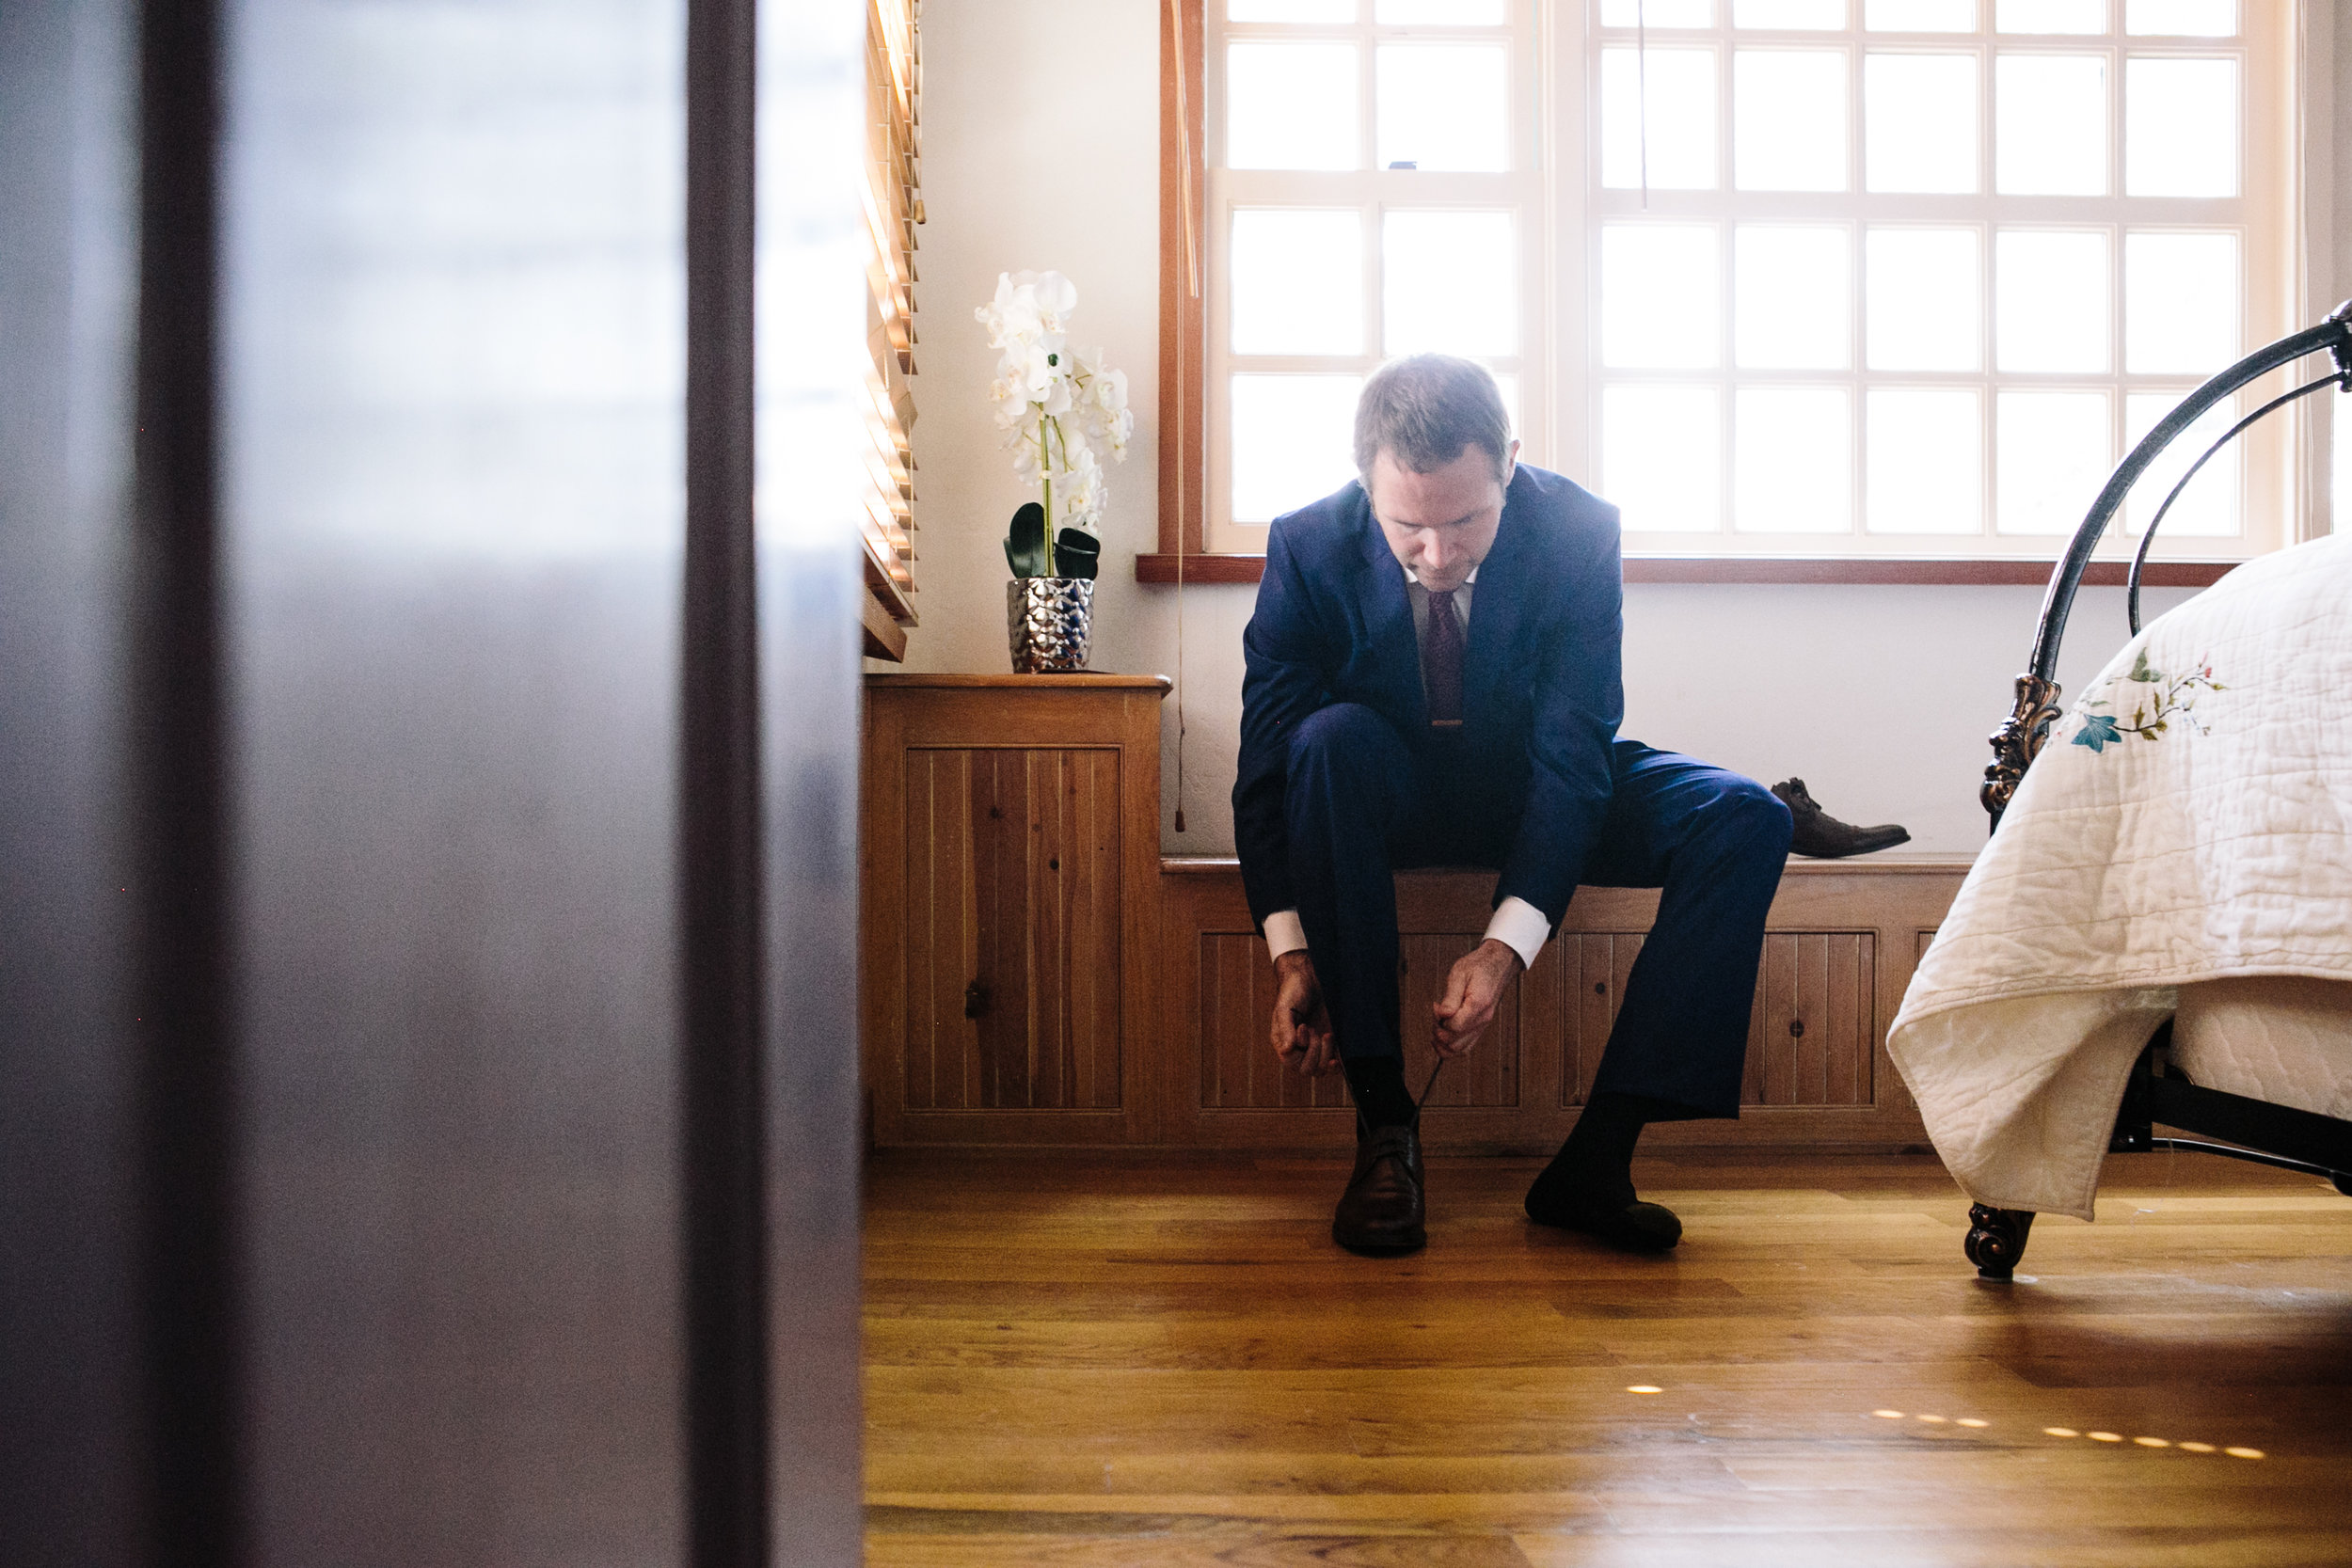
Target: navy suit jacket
x,y
1542,689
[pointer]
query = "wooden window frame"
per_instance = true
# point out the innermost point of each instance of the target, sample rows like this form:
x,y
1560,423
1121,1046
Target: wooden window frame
x,y
1183,294
1185,314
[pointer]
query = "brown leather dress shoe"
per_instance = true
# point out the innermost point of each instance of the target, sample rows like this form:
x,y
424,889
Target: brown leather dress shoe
x,y
1821,836
1381,1213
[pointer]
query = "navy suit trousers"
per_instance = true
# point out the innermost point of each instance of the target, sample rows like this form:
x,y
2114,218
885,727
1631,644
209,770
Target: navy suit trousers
x,y
1361,804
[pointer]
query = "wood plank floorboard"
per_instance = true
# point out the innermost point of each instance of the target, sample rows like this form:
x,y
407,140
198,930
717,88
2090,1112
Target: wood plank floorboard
x,y
1092,1361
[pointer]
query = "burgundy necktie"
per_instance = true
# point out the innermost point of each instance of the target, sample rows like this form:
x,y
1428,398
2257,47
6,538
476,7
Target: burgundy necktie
x,y
1441,660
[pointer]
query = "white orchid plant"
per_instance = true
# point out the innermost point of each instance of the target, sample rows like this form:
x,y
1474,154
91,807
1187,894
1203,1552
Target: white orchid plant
x,y
1056,406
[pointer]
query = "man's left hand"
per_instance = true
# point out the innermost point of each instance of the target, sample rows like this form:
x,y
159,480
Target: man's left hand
x,y
1472,992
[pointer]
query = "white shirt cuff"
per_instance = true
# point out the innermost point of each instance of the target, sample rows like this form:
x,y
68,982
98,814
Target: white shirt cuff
x,y
1517,923
1283,933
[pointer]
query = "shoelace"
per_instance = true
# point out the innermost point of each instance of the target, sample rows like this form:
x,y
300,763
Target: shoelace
x,y
1428,1085
1425,1088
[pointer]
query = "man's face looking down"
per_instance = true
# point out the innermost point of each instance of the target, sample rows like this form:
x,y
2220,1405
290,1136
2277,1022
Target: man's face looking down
x,y
1440,524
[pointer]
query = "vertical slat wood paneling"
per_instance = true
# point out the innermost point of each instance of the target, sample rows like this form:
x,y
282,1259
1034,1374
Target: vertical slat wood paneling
x,y
1082,971
986,920
1828,967
1489,1075
1853,982
1808,1078
1225,1059
1092,861
1824,979
920,879
1238,1069
1070,867
999,815
1625,951
956,953
1825,982
1012,883
1751,1076
1847,1042
1594,991
1593,966
1044,955
1546,1006
954,808
1778,981
943,922
1216,1029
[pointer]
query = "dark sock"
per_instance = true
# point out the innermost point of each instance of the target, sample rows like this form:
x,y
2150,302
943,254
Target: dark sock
x,y
1378,1084
1593,1173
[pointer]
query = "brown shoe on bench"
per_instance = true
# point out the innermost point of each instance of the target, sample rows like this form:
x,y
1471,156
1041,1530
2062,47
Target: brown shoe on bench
x,y
1821,836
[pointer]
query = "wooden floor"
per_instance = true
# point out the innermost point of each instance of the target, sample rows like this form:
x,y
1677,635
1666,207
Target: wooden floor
x,y
1074,1361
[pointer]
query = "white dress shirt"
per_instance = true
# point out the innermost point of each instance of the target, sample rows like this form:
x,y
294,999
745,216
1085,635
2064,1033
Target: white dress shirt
x,y
1517,923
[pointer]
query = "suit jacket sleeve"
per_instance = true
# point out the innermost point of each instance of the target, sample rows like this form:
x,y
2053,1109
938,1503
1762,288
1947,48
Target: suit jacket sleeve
x,y
1284,655
1579,702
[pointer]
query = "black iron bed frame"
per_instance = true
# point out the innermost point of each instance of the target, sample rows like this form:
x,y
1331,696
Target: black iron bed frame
x,y
2261,1132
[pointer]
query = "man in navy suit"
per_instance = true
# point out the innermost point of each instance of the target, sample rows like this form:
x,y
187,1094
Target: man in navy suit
x,y
1433,678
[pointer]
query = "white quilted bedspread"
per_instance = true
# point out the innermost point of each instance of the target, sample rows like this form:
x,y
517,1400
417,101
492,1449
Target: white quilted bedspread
x,y
2190,820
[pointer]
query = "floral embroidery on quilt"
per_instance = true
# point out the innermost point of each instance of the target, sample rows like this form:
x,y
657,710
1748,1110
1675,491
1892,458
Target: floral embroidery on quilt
x,y
2163,701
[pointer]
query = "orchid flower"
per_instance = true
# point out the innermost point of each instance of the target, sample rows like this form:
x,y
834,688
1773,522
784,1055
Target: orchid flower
x,y
1055,403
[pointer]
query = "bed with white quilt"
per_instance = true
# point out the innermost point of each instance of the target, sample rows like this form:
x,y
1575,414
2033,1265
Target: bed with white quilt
x,y
2160,931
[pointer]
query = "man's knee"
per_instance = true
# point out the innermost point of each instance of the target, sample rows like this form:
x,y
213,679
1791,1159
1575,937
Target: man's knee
x,y
1749,819
1765,818
1345,735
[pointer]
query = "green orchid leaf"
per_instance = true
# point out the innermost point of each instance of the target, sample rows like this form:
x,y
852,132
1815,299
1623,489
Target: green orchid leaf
x,y
1077,553
1025,546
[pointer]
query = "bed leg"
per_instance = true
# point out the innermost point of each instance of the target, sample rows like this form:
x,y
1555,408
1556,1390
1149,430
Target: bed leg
x,y
1996,1239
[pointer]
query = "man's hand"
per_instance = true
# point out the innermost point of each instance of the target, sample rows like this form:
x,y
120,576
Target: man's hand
x,y
1302,1025
1472,991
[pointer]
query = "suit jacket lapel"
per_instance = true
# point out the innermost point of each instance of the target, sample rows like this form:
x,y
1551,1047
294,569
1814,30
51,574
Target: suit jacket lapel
x,y
1389,622
1495,610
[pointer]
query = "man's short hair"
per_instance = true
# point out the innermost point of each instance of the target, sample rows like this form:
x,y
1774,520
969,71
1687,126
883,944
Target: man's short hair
x,y
1423,409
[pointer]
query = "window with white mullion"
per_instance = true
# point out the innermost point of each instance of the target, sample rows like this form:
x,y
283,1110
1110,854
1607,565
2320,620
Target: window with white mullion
x,y
2018,304
1323,261
1988,333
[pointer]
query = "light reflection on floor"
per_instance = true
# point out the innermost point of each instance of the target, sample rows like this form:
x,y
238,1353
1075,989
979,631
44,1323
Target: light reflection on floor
x,y
2187,1446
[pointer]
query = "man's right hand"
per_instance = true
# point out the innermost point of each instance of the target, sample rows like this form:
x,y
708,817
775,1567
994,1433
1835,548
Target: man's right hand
x,y
1302,1025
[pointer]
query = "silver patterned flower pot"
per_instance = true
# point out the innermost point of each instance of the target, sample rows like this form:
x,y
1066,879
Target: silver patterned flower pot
x,y
1051,621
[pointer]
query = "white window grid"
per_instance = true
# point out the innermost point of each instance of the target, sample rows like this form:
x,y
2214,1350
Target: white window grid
x,y
2255,216
1373,192
1559,206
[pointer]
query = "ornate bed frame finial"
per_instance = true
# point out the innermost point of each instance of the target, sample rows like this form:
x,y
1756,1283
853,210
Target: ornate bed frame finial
x,y
2021,735
2018,741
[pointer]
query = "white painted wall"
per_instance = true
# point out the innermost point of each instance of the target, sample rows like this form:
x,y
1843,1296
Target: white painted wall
x,y
1040,150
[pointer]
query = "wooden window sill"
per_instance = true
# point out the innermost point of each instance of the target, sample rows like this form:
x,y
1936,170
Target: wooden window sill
x,y
1222,568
